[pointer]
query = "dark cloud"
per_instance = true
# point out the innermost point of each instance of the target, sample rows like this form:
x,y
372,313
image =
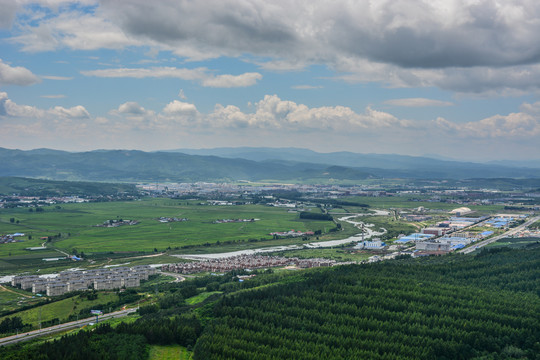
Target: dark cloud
x,y
421,34
7,15
224,26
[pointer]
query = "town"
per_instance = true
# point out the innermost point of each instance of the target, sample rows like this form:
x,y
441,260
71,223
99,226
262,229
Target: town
x,y
245,262
97,279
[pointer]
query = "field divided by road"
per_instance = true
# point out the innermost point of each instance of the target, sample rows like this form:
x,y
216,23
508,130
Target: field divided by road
x,y
73,226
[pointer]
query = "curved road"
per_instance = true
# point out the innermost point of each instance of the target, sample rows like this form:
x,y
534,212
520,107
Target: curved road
x,y
62,327
502,236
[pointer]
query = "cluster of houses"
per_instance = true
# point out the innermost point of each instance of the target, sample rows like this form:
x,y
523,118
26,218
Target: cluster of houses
x,y
224,221
164,219
292,233
98,279
220,203
11,238
117,223
244,262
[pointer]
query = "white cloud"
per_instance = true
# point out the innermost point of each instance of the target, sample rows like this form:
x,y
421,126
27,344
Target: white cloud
x,y
179,108
16,75
131,108
75,112
75,30
3,101
306,87
12,110
524,124
59,96
132,111
201,75
155,72
230,81
417,102
60,78
274,113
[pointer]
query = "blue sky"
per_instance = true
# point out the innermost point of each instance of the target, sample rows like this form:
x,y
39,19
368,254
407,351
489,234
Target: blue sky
x,y
458,78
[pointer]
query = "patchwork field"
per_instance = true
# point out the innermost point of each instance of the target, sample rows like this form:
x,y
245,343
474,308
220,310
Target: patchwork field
x,y
73,226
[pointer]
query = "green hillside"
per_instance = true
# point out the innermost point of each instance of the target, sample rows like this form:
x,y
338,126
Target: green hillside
x,y
39,187
452,308
133,166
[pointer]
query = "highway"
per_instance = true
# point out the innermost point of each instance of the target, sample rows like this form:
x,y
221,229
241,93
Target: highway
x,y
498,237
62,327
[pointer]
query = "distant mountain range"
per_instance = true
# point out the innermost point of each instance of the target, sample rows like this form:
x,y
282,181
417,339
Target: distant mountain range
x,y
377,164
229,164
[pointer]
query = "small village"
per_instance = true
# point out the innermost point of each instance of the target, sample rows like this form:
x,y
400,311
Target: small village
x,y
11,238
117,223
163,219
224,221
245,262
292,233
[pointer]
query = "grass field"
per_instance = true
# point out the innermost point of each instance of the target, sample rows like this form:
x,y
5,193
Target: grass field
x,y
201,297
172,352
63,308
515,243
337,254
13,299
75,225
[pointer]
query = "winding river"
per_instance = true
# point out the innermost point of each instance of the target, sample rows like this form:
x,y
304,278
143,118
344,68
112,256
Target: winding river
x,y
368,233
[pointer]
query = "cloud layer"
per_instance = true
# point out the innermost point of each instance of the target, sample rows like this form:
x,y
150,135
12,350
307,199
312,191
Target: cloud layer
x,y
198,74
273,113
459,45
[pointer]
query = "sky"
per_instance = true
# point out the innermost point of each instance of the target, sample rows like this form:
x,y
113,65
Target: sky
x,y
452,78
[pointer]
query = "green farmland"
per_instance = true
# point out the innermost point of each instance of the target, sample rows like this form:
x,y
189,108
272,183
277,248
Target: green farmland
x,y
72,227
61,310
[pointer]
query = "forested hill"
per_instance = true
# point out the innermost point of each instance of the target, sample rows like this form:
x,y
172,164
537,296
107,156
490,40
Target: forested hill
x,y
132,165
384,165
482,306
38,187
135,166
457,307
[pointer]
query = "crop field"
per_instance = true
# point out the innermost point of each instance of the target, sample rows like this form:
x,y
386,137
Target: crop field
x,y
73,226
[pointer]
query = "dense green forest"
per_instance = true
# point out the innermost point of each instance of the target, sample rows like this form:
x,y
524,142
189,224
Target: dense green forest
x,y
102,344
455,307
484,306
